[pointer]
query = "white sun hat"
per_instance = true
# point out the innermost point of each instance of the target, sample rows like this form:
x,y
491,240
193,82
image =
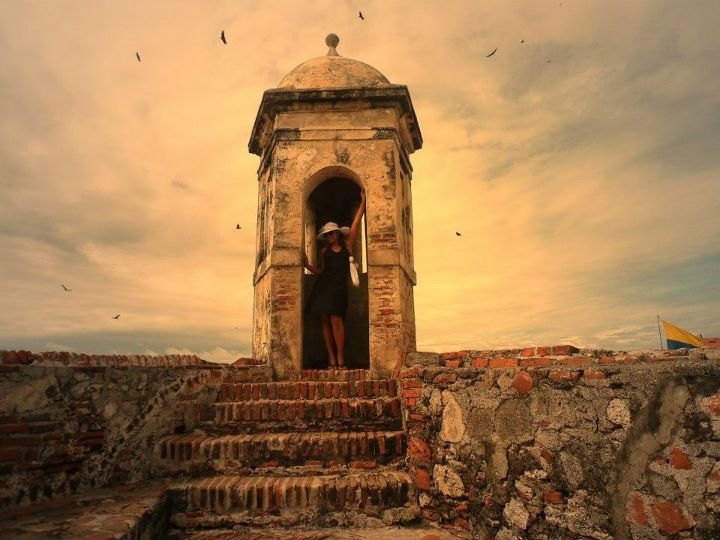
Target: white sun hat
x,y
332,226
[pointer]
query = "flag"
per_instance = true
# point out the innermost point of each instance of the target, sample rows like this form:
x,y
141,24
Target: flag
x,y
678,338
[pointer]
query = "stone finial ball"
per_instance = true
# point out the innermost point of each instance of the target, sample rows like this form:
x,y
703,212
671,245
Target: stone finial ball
x,y
332,40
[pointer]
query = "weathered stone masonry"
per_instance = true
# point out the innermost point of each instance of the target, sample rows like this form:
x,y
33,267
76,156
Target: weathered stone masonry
x,y
215,447
539,443
532,443
70,422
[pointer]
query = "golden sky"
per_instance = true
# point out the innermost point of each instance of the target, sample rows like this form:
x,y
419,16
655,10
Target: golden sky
x,y
581,166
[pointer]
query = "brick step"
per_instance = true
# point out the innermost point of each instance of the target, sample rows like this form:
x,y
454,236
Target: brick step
x,y
359,530
334,374
188,470
308,390
199,452
330,414
370,493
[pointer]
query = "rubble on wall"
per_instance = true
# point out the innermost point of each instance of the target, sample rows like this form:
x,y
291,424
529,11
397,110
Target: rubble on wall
x,y
561,443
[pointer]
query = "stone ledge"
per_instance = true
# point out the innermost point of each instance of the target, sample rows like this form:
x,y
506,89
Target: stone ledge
x,y
354,449
558,355
120,361
302,390
551,366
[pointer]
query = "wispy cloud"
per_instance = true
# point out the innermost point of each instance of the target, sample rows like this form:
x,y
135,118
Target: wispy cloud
x,y
585,188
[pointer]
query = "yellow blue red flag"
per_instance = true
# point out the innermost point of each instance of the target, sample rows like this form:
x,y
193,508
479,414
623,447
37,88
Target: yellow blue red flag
x,y
677,338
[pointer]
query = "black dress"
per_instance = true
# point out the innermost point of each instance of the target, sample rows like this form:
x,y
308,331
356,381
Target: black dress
x,y
329,295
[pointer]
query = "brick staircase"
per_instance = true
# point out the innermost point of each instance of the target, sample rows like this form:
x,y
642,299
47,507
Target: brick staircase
x,y
327,451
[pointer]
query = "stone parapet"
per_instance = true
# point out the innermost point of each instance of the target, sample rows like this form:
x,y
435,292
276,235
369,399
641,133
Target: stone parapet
x,y
531,443
63,358
557,355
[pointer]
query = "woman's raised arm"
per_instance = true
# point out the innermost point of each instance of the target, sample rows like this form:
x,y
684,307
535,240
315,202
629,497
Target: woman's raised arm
x,y
355,227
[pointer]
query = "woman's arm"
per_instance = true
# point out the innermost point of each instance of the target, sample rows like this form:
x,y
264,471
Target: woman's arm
x,y
355,227
313,269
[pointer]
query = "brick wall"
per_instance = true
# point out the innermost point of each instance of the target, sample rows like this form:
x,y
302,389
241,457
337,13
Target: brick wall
x,y
553,442
70,422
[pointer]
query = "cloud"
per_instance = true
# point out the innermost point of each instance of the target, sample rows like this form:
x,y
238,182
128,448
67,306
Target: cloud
x,y
50,346
213,345
586,189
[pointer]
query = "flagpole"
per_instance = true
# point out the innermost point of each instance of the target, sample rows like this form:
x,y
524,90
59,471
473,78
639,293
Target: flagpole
x,y
660,333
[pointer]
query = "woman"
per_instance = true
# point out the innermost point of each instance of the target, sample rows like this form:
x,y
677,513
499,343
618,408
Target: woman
x,y
329,295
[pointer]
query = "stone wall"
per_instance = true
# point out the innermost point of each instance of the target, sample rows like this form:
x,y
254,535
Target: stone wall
x,y
70,422
560,443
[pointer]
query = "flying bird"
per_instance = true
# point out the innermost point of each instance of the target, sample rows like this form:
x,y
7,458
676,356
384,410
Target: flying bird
x,y
361,15
457,234
116,316
522,41
238,226
548,61
489,55
222,37
138,56
64,287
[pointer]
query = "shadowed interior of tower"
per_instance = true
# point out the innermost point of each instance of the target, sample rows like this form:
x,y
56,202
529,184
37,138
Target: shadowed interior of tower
x,y
335,200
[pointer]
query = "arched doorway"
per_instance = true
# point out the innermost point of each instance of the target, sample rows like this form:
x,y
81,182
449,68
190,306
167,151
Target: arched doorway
x,y
336,199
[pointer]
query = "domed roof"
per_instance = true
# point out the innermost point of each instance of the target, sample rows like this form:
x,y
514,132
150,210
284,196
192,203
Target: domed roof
x,y
333,71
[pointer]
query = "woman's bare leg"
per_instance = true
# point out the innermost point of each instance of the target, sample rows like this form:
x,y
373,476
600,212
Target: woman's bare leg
x,y
338,328
328,338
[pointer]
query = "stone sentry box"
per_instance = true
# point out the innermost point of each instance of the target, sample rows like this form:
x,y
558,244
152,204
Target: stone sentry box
x,y
332,126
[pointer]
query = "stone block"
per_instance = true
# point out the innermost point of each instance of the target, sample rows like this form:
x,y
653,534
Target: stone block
x,y
422,358
636,509
516,515
418,450
453,425
671,518
479,362
445,378
553,497
679,459
559,350
523,382
422,478
618,412
503,362
448,481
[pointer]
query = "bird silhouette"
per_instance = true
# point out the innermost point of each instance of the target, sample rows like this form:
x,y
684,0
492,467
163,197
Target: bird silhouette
x,y
361,15
222,37
138,56
116,316
457,234
64,287
238,226
548,61
522,41
489,55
